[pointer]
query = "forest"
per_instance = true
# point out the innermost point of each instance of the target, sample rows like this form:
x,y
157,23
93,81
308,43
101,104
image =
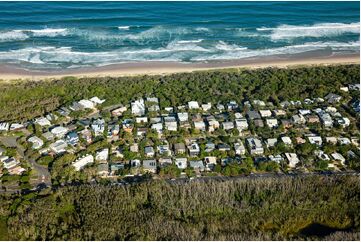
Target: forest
x,y
315,207
24,100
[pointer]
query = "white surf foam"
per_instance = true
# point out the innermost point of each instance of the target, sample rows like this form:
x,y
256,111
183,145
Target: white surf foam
x,y
124,27
47,32
286,32
13,35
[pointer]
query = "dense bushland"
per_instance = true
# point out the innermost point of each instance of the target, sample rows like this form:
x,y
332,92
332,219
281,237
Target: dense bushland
x,y
28,99
240,209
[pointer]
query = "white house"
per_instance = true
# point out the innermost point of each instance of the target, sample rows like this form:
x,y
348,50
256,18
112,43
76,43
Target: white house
x,y
58,146
82,162
255,146
213,125
227,125
59,131
292,159
102,155
139,120
138,107
37,142
42,121
193,105
96,100
286,140
206,107
86,104
200,125
182,117
338,157
265,113
315,140
239,148
271,142
272,123
241,124
181,163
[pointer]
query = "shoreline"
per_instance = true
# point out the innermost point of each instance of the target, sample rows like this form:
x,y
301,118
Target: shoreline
x,y
12,72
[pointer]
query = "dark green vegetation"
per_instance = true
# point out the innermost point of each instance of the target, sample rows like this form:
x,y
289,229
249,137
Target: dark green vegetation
x,y
312,207
26,100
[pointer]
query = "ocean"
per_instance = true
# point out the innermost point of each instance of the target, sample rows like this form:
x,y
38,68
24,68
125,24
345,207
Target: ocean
x,y
66,35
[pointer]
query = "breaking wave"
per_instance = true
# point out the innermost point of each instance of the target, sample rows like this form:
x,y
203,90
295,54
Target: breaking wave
x,y
174,51
286,32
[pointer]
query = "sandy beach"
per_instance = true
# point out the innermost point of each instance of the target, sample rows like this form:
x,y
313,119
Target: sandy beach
x,y
8,72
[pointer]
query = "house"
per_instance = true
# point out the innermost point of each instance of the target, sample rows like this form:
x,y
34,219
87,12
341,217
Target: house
x,y
42,121
317,140
5,126
300,140
312,119
98,126
114,168
119,111
59,131
37,142
209,147
102,155
206,107
271,142
211,162
232,105
96,100
213,125
276,158
87,135
197,165
134,148
18,170
16,126
141,131
238,115
150,166
193,105
255,146
182,117
239,148
286,140
259,103
292,159
298,119
193,149
331,140
227,125
286,123
58,146
322,155
220,107
138,107
333,98
141,120
170,109
258,123
272,123
265,113
181,163
338,157
82,162
164,150
135,163
344,141
113,130
304,112
86,104
223,147
179,148
253,115
158,127
149,151
279,112
103,169
72,138
241,124
326,119
344,122
10,163
163,162
200,125
170,123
